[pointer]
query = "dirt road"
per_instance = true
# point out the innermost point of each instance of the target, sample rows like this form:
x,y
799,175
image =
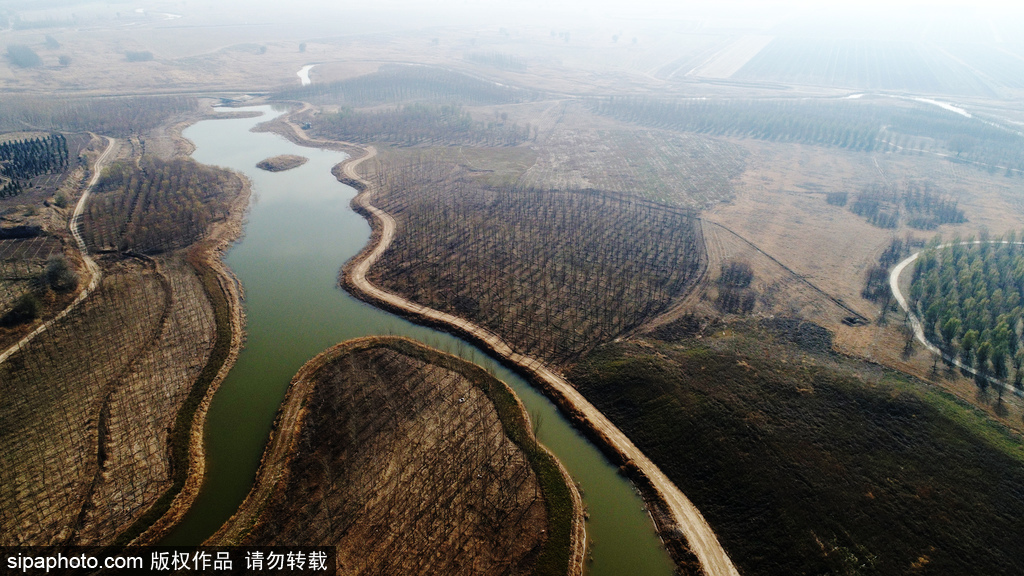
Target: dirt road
x,y
90,264
701,539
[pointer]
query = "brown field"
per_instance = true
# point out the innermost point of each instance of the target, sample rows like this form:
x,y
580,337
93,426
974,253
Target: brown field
x,y
408,461
780,207
102,388
100,415
22,260
588,266
577,150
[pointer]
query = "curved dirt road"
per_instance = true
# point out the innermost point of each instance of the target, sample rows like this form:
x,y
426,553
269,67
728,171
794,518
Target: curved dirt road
x,y
90,264
701,539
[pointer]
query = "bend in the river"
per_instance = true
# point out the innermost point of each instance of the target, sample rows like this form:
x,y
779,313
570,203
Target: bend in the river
x,y
300,231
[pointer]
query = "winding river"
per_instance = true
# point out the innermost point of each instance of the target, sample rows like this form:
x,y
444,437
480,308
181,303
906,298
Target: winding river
x,y
299,232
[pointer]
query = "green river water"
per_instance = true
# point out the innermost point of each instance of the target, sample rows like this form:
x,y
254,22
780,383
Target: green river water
x,y
299,232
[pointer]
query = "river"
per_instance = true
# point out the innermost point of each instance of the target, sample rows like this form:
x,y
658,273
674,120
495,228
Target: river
x,y
299,232
303,74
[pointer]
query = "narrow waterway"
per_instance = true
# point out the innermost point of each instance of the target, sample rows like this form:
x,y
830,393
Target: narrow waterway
x,y
299,232
303,74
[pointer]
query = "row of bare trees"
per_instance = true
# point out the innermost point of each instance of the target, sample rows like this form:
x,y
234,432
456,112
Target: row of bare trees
x,y
88,403
552,272
120,117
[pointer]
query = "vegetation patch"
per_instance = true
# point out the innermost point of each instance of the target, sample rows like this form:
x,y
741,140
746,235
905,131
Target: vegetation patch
x,y
121,117
155,206
138,56
554,273
499,60
917,204
735,295
281,163
393,84
22,160
443,124
23,57
861,124
410,457
805,464
970,297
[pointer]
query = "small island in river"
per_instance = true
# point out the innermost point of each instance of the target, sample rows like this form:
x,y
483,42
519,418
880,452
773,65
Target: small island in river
x,y
282,163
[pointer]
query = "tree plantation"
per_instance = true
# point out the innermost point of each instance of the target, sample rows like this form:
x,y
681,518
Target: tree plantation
x,y
395,83
22,160
553,272
917,204
970,295
120,117
861,125
447,125
410,462
154,207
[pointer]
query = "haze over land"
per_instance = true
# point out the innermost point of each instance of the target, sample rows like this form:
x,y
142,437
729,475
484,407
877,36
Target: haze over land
x,y
767,256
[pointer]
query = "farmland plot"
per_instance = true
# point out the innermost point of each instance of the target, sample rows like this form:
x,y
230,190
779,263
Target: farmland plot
x,y
862,65
1002,66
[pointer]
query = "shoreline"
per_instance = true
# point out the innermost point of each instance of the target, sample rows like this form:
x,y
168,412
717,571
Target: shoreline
x,y
683,530
207,258
288,423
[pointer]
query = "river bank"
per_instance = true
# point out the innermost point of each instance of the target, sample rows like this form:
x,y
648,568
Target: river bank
x,y
299,233
225,294
681,528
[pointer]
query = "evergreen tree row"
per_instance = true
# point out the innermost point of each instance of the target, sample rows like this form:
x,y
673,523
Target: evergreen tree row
x,y
24,159
10,188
